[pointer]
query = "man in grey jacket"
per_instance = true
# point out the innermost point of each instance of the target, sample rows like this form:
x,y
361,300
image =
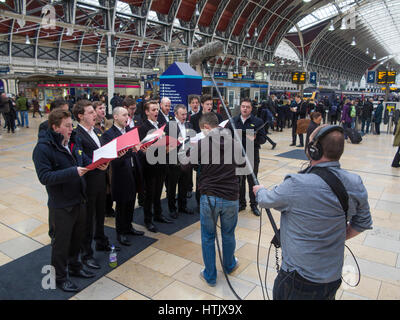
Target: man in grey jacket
x,y
314,227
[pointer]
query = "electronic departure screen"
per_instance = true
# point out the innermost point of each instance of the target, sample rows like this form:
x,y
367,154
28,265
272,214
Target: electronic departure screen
x,y
299,77
381,77
386,77
391,77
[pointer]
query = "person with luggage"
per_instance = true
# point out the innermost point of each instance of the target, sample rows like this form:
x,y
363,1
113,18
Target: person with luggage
x,y
378,117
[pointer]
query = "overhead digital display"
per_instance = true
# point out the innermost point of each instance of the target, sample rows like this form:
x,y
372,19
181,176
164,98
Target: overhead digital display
x,y
299,77
391,77
381,79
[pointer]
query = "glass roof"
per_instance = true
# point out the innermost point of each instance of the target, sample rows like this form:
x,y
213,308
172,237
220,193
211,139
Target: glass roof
x,y
326,12
382,18
285,51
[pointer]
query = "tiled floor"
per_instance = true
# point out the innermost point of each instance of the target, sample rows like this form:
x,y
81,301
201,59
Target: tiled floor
x,y
169,269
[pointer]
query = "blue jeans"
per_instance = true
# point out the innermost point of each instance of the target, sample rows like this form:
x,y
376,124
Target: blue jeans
x,y
228,213
24,118
292,286
363,123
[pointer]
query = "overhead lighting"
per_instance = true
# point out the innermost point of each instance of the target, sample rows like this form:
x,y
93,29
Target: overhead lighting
x,y
353,43
331,27
256,33
149,57
367,51
247,34
27,41
98,50
197,10
374,57
343,26
306,1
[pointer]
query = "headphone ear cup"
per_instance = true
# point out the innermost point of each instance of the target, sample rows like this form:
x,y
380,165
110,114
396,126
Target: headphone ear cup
x,y
315,150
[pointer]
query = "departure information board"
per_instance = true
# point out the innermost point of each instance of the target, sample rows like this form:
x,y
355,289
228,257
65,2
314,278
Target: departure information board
x,y
386,77
299,77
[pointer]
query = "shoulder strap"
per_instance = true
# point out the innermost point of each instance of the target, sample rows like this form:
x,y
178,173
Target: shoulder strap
x,y
335,184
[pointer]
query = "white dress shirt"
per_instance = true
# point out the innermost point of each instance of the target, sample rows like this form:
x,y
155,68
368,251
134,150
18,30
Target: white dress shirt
x,y
182,128
93,135
165,116
122,130
154,123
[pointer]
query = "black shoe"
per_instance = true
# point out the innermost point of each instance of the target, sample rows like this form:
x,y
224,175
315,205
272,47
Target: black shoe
x,y
255,211
107,247
291,145
151,227
273,146
91,263
135,232
122,239
186,211
173,214
189,194
300,146
67,286
162,219
82,273
242,207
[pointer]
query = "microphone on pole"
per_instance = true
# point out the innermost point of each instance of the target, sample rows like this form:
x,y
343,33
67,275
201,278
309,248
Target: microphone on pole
x,y
201,56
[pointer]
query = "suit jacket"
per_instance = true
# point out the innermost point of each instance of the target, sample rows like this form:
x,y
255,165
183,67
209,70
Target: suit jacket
x,y
103,127
194,120
143,130
123,183
95,179
161,119
137,120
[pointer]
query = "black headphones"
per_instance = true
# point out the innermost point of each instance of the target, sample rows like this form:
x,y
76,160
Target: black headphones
x,y
314,148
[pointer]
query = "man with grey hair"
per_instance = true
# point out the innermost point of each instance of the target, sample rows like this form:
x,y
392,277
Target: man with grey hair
x,y
178,129
165,108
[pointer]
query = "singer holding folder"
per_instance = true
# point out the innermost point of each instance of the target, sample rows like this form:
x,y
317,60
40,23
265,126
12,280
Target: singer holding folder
x,y
86,116
154,174
123,181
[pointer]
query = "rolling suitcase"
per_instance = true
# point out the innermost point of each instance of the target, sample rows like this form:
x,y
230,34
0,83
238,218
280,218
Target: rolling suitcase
x,y
354,135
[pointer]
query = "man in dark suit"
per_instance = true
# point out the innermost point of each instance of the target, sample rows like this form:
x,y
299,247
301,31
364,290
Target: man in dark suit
x,y
247,121
154,174
194,105
123,182
178,128
299,111
95,181
206,106
163,116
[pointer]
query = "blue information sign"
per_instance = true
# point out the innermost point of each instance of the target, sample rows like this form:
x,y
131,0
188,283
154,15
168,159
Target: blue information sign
x,y
178,82
371,77
313,77
247,77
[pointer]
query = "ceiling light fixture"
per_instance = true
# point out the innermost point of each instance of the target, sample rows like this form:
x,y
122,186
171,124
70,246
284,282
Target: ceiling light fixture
x,y
343,26
197,10
353,43
367,51
27,41
374,57
256,33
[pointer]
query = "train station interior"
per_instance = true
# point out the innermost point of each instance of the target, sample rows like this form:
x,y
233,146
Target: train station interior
x,y
330,53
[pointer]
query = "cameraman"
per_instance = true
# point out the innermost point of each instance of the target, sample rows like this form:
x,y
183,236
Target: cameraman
x,y
313,232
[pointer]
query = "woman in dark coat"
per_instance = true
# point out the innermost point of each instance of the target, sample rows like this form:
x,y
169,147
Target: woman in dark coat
x,y
316,118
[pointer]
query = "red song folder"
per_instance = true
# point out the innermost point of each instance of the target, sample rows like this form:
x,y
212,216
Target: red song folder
x,y
152,137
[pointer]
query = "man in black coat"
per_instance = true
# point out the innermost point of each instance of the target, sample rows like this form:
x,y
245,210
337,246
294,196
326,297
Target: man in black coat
x,y
134,120
366,114
90,136
154,174
299,111
246,121
123,182
178,129
60,166
163,115
206,106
